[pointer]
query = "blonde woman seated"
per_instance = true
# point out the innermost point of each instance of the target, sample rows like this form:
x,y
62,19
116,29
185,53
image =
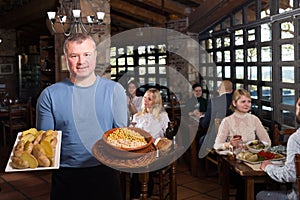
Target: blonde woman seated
x,y
244,124
241,123
153,118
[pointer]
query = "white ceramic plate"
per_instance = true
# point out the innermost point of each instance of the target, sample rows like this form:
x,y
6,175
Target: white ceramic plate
x,y
253,150
56,159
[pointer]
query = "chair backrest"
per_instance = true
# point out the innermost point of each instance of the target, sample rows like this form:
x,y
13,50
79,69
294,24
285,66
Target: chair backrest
x,y
279,134
297,166
19,112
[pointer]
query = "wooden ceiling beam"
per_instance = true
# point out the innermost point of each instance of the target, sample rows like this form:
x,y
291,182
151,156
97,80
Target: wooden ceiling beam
x,y
167,6
209,12
27,13
125,22
198,1
148,16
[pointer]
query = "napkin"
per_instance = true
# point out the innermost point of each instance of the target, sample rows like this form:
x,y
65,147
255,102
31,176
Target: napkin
x,y
255,167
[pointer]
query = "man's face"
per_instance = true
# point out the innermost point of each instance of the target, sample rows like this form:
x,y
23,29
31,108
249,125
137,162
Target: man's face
x,y
221,89
81,58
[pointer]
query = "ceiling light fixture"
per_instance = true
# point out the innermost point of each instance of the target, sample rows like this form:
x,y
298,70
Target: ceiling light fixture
x,y
68,17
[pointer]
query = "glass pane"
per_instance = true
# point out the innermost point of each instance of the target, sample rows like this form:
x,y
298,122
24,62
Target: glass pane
x,y
267,112
130,69
142,61
251,35
113,51
151,49
142,70
219,42
162,70
252,55
288,117
227,56
239,85
163,81
239,72
141,50
266,73
151,80
252,73
211,57
210,44
253,91
113,61
210,85
227,72
162,60
121,61
204,71
266,54
238,37
251,12
266,93
226,41
121,70
121,51
238,18
130,61
265,9
211,71
219,71
239,55
151,70
163,49
151,60
285,5
288,74
287,52
142,81
266,33
113,71
202,57
288,96
219,56
287,30
130,50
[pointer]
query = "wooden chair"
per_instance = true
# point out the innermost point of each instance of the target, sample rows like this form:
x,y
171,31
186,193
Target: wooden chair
x,y
211,157
18,120
280,136
297,166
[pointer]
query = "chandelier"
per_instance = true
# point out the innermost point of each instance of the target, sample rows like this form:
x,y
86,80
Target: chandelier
x,y
68,19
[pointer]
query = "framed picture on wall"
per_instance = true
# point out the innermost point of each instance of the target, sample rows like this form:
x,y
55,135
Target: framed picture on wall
x,y
6,68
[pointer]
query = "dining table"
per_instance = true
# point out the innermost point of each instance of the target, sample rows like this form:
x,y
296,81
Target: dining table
x,y
251,174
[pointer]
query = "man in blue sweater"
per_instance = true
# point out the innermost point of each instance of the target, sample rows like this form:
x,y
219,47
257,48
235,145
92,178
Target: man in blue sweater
x,y
83,107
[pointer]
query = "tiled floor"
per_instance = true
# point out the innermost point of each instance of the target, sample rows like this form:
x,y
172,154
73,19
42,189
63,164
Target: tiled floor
x,y
36,185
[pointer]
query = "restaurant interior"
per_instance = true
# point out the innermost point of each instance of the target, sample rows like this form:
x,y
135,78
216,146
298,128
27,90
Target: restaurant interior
x,y
166,44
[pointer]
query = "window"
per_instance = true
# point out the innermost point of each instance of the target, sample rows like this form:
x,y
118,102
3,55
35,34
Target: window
x,y
263,57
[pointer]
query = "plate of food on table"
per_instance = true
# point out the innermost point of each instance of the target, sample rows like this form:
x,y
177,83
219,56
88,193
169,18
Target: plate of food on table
x,y
35,150
258,151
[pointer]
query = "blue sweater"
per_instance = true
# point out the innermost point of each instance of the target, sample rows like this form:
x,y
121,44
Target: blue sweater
x,y
83,114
